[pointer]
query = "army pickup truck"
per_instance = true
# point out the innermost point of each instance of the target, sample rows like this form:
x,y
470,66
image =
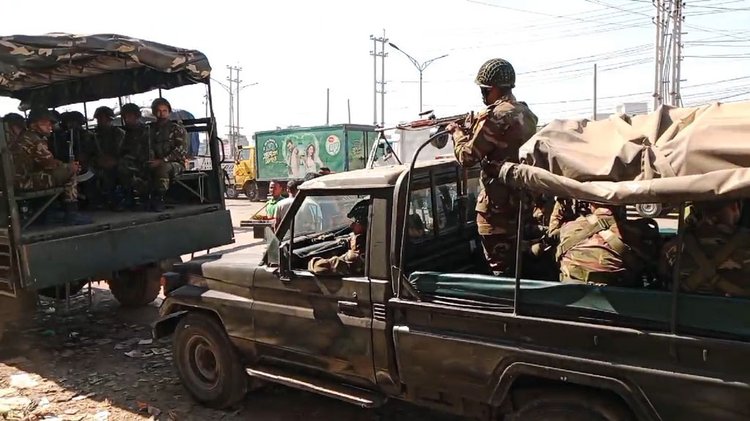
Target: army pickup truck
x,y
426,322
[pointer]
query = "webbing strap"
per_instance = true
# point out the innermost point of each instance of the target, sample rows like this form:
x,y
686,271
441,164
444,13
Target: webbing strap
x,y
706,272
596,225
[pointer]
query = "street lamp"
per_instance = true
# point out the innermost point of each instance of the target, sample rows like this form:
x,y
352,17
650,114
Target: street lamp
x,y
420,68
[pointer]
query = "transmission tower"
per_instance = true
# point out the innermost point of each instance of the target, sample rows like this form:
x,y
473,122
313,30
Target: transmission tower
x,y
382,54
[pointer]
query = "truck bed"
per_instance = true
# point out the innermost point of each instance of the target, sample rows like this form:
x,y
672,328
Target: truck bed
x,y
106,220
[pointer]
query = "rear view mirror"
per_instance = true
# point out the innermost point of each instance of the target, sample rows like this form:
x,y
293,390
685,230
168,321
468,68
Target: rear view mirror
x,y
439,142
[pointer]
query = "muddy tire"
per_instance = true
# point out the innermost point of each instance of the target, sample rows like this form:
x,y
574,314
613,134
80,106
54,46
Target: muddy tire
x,y
136,288
572,405
251,191
207,363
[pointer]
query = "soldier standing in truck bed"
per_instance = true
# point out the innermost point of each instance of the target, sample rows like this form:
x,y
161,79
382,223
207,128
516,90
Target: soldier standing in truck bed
x,y
133,165
168,152
104,153
496,137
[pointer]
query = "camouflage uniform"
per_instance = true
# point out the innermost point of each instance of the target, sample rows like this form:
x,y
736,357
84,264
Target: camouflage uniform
x,y
351,263
106,143
37,169
168,143
715,260
498,133
132,168
599,248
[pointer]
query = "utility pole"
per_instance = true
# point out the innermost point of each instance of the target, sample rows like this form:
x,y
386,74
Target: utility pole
x,y
677,18
349,110
382,54
328,105
234,117
594,119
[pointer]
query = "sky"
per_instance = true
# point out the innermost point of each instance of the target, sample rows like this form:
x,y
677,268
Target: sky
x,y
295,49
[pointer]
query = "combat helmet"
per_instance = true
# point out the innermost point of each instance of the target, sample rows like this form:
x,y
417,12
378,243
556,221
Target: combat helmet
x,y
160,101
37,114
75,116
104,111
496,72
359,212
131,108
14,119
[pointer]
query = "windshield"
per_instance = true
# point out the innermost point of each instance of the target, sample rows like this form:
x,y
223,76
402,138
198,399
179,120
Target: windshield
x,y
244,155
323,214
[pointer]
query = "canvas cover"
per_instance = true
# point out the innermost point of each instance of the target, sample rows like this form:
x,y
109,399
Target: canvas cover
x,y
672,154
59,69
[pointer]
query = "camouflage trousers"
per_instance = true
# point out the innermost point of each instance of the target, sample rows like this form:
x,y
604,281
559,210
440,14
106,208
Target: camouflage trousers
x,y
42,180
162,175
498,232
133,175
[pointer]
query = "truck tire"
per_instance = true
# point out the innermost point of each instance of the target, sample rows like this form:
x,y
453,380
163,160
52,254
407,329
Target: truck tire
x,y
136,287
649,210
566,405
251,191
232,193
207,363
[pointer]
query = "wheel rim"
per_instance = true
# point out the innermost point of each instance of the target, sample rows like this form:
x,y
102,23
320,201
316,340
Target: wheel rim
x,y
203,363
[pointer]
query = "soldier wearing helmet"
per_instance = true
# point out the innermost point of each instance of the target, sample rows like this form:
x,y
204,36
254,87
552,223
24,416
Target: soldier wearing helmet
x,y
133,167
15,124
168,151
497,134
36,168
104,154
351,263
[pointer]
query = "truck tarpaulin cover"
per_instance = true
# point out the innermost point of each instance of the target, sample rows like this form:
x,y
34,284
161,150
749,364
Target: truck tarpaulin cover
x,y
697,153
59,69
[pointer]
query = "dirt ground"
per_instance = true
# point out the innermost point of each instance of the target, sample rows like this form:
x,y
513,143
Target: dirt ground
x,y
98,362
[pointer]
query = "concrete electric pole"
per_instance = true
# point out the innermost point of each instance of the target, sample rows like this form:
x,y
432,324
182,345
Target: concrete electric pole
x,y
382,54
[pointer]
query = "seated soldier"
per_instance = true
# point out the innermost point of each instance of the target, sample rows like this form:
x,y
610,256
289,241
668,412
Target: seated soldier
x,y
602,248
716,252
168,151
104,153
351,263
37,169
132,167
16,124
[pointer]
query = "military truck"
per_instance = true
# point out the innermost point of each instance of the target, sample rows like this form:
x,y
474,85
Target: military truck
x,y
291,153
128,249
426,323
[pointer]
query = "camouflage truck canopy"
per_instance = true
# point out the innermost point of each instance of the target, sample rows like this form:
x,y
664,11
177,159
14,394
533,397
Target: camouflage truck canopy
x,y
673,154
59,69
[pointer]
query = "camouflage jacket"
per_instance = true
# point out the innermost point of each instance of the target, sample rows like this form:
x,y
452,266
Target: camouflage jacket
x,y
715,260
135,143
31,154
106,142
609,256
168,141
497,134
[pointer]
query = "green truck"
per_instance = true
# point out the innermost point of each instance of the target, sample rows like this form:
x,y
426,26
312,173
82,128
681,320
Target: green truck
x,y
293,152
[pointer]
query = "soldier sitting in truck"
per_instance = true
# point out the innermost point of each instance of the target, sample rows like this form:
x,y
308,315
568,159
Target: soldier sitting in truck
x,y
716,252
351,263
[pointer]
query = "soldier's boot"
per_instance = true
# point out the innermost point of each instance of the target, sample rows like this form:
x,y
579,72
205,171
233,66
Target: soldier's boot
x,y
73,217
157,202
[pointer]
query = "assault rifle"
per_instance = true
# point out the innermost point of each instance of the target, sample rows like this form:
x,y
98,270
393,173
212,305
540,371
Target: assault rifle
x,y
430,120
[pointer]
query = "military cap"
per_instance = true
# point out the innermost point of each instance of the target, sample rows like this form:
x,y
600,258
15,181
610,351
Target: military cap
x,y
131,108
359,211
160,101
37,114
496,72
14,119
73,116
104,111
